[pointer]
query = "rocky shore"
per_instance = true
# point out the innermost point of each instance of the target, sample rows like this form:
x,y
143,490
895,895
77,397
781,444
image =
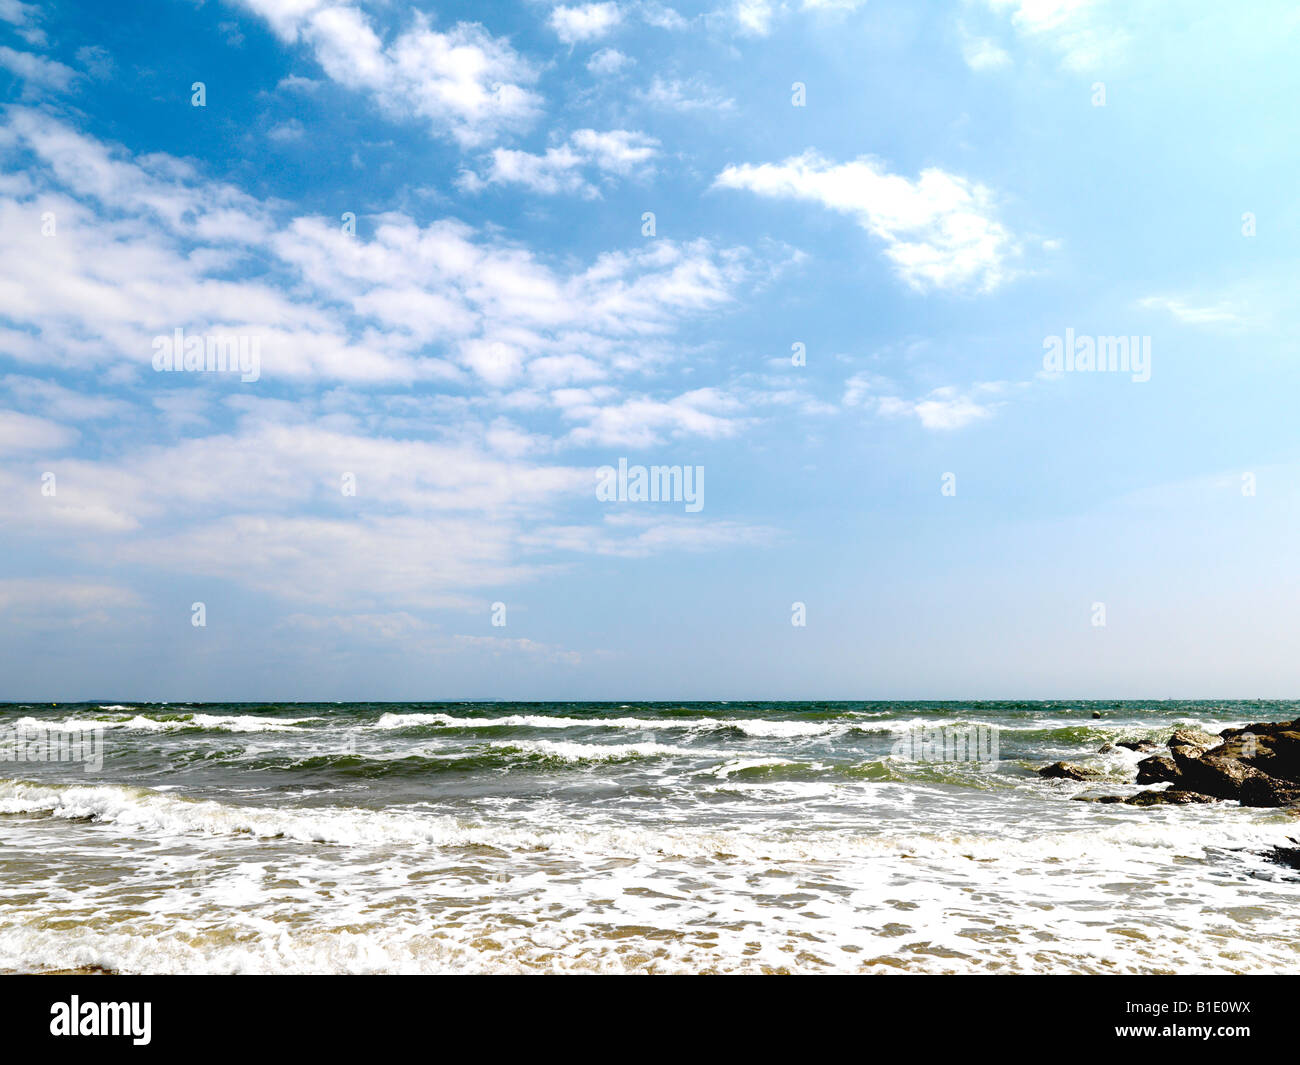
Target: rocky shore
x,y
1258,765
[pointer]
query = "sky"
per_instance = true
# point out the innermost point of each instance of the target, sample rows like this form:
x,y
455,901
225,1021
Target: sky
x,y
819,253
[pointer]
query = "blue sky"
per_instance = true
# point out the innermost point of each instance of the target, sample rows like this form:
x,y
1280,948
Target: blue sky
x,y
921,195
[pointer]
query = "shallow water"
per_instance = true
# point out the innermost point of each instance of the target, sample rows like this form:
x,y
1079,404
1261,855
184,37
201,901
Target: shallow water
x,y
659,837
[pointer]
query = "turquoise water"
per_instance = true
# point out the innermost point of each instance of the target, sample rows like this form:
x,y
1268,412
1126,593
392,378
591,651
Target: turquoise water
x,y
720,837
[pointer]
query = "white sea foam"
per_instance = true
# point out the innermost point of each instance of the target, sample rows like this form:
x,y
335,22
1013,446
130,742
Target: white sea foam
x,y
1122,893
738,765
595,752
766,728
153,813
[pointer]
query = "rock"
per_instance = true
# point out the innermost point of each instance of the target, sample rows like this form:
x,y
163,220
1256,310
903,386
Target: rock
x,y
1137,745
1096,714
1263,790
1190,737
1105,748
1263,727
1156,770
1098,798
1285,855
1211,774
1257,765
1066,771
1275,753
1170,796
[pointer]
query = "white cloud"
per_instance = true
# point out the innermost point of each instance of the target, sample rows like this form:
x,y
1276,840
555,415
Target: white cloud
x,y
23,432
36,70
662,16
465,83
753,17
585,22
693,95
61,403
608,62
944,408
981,53
556,170
96,61
144,246
1083,33
617,151
361,563
297,83
941,409
1216,314
430,526
24,18
560,169
287,132
448,486
939,231
643,421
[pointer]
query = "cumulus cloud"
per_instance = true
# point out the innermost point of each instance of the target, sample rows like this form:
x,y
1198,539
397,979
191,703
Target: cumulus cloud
x,y
235,484
939,231
585,22
465,83
145,246
565,168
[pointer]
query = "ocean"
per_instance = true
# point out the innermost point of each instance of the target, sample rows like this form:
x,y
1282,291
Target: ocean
x,y
714,837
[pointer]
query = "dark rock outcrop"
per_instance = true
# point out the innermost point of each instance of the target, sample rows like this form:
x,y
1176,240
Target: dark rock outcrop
x,y
1263,790
1258,765
1211,773
1286,855
1157,769
1137,745
1170,796
1066,771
